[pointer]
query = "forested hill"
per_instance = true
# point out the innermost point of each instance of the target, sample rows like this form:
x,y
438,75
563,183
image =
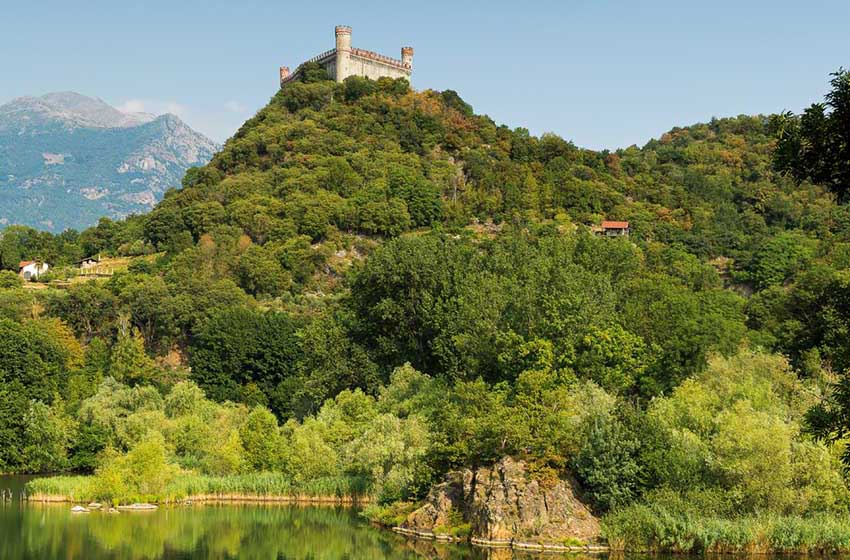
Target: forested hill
x,y
377,159
384,280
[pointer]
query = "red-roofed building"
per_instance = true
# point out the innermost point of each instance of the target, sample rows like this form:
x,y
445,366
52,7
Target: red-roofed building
x,y
30,270
610,228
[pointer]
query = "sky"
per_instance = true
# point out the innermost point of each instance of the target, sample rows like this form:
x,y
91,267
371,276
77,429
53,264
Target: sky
x,y
604,74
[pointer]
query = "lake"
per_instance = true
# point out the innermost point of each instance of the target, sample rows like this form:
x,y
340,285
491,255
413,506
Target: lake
x,y
282,532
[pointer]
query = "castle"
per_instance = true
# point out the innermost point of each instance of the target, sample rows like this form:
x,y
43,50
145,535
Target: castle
x,y
345,60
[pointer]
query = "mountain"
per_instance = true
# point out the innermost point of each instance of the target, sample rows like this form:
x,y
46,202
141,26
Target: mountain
x,y
66,160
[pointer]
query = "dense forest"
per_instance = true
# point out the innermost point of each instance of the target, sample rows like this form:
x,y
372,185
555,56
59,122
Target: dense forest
x,y
374,285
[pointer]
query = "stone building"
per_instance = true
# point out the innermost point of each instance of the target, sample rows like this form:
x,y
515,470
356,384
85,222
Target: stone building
x,y
344,61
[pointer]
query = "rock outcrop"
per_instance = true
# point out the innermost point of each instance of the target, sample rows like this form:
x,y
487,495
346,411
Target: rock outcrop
x,y
502,504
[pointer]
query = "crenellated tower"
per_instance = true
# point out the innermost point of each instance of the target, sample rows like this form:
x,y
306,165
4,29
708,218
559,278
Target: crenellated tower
x,y
343,52
344,60
407,57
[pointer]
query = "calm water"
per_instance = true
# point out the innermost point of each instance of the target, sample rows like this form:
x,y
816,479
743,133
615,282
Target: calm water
x,y
263,532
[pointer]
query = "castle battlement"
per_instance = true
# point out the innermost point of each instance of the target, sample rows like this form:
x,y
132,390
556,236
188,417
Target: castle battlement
x,y
344,61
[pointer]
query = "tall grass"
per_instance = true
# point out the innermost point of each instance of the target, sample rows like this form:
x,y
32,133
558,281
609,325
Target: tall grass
x,y
650,528
61,488
255,486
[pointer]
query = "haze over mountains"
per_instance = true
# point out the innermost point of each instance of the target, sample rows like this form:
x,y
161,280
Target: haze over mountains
x,y
66,160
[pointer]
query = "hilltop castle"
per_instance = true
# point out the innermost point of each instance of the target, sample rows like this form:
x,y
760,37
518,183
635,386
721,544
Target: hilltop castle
x,y
345,60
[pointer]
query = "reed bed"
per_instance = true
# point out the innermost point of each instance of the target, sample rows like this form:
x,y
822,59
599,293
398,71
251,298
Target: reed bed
x,y
643,528
61,489
270,487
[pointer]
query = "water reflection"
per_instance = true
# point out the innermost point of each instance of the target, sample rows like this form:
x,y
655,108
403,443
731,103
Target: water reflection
x,y
210,531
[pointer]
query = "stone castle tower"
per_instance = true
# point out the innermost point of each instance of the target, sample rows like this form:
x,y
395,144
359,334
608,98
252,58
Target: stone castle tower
x,y
344,61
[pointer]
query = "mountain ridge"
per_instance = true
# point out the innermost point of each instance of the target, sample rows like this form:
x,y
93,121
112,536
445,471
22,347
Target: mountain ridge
x,y
69,160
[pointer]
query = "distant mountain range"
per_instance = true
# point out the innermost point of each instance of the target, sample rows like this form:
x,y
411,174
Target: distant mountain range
x,y
66,160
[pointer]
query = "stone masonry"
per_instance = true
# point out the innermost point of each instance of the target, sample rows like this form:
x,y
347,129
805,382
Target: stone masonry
x,y
344,61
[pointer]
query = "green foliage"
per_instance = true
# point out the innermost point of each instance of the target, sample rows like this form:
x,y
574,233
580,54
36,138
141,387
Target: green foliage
x,y
816,145
614,358
390,515
313,72
736,428
261,439
608,463
261,274
9,279
128,361
140,475
780,258
372,286
47,434
241,346
667,524
88,308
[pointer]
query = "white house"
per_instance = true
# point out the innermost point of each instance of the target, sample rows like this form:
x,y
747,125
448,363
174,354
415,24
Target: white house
x,y
30,270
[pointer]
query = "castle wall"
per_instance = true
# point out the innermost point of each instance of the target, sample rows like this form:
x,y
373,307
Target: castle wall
x,y
330,67
374,69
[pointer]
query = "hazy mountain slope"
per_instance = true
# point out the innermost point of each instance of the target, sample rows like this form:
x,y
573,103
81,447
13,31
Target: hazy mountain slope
x,y
66,160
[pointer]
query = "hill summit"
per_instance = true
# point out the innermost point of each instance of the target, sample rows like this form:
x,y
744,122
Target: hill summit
x,y
68,159
377,158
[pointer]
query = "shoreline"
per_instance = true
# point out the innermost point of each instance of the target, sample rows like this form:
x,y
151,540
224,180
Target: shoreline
x,y
505,544
351,501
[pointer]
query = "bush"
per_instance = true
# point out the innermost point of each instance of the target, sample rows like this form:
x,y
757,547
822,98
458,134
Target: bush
x,y
9,279
391,515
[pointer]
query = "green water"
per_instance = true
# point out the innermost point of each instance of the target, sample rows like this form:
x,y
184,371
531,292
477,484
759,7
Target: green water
x,y
248,532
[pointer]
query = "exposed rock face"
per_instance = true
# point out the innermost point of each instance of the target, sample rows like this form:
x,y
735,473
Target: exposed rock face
x,y
503,504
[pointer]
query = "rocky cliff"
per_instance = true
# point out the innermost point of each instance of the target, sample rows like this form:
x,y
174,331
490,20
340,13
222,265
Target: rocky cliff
x,y
503,505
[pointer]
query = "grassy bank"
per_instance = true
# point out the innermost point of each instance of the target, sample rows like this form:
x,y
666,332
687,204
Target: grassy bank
x,y
389,515
642,528
249,487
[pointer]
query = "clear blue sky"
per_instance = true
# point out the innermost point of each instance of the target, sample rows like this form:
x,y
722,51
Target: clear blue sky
x,y
604,74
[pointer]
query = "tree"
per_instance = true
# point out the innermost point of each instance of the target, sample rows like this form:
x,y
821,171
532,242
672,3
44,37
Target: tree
x,y
261,440
829,419
128,361
745,438
88,308
614,358
140,475
261,274
357,87
391,455
238,346
226,457
314,72
816,145
422,197
685,325
47,435
607,465
780,258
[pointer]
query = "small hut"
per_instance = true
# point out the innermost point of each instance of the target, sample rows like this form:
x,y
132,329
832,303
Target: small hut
x,y
609,228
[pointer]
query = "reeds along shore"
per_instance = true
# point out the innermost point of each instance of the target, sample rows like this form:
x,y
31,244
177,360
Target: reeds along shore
x,y
262,487
631,530
245,498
